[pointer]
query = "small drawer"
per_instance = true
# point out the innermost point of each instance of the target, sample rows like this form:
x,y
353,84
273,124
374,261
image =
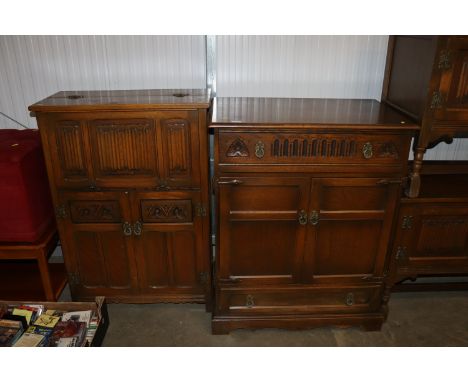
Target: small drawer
x,y
297,300
239,148
166,210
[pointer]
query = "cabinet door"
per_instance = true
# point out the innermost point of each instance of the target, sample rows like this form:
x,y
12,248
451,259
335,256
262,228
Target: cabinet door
x,y
262,227
171,244
349,228
66,151
432,239
157,149
453,67
95,231
123,149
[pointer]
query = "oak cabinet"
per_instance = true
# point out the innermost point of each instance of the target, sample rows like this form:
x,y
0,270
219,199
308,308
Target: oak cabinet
x,y
426,78
432,230
128,172
306,193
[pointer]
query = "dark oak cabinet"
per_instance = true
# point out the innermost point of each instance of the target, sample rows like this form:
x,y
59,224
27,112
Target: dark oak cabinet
x,y
432,230
128,172
306,193
427,79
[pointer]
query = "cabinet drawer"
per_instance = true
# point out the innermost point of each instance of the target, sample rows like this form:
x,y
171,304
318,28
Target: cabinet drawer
x,y
300,149
299,300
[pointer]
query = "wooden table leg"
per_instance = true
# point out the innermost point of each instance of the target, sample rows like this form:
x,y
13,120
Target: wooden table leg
x,y
45,276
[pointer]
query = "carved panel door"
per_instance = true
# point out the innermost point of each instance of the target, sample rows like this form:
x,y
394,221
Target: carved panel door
x,y
96,230
262,227
432,236
67,151
349,228
171,247
180,149
453,64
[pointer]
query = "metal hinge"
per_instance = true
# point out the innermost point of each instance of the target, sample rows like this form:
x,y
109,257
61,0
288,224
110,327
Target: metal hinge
x,y
401,253
444,60
61,212
407,222
200,210
436,100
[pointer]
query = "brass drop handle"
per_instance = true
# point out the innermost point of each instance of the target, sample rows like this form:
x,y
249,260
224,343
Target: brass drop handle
x,y
137,228
127,229
259,149
232,182
302,217
314,217
350,299
367,150
249,301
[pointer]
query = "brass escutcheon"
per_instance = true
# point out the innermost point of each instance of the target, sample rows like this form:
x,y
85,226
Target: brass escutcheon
x,y
259,149
367,150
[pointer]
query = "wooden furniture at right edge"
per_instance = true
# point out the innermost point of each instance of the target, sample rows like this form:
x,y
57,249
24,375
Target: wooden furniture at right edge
x,y
432,230
427,79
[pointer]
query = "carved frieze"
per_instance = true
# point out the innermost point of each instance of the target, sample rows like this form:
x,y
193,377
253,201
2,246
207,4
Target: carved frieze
x,y
387,150
166,211
237,149
95,211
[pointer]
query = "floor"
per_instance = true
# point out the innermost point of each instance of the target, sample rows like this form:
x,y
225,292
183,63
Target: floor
x,y
415,319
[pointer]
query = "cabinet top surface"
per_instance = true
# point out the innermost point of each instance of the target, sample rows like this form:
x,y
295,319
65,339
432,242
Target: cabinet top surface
x,y
233,111
124,99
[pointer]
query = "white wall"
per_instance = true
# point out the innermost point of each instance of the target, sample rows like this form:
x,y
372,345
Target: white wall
x,y
34,67
301,66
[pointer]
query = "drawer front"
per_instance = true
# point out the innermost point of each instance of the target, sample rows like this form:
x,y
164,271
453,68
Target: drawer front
x,y
299,149
299,300
432,238
166,210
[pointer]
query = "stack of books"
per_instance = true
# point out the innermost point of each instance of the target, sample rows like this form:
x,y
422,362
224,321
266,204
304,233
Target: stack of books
x,y
32,325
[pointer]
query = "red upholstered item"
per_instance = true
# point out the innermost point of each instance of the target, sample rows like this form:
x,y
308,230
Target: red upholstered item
x,y
26,210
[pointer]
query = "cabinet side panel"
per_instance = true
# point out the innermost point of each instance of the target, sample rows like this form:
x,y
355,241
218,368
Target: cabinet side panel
x,y
411,69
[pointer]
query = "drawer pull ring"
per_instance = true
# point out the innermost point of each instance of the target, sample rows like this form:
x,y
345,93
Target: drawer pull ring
x,y
314,218
249,301
259,149
302,217
350,299
367,150
137,228
233,182
127,229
